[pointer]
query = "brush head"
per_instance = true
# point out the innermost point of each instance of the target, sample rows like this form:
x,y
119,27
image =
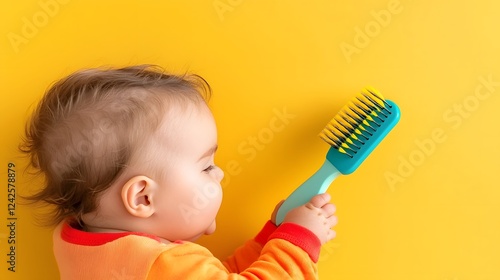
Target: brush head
x,y
358,128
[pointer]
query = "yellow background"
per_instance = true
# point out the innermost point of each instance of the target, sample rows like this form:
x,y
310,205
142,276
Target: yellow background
x,y
424,205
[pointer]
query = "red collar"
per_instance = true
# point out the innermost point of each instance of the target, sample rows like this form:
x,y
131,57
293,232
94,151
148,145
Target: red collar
x,y
75,236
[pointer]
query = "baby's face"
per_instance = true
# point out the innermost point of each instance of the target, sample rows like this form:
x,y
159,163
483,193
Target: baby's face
x,y
190,193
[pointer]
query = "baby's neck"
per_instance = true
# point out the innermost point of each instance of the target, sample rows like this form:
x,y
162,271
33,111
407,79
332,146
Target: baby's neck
x,y
89,228
95,229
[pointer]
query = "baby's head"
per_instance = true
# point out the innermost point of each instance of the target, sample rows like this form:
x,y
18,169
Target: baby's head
x,y
128,149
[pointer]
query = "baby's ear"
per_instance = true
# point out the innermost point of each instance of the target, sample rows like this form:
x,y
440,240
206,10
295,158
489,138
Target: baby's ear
x,y
137,196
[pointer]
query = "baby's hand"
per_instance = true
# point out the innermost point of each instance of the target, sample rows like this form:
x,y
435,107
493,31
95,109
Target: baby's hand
x,y
316,215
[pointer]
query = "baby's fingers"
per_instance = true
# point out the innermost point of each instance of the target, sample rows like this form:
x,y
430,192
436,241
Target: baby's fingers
x,y
328,209
330,235
332,221
320,200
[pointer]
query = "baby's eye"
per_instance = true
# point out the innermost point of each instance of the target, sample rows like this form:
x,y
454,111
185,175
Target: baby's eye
x,y
210,168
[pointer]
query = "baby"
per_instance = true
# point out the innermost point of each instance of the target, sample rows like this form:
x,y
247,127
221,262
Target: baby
x,y
128,161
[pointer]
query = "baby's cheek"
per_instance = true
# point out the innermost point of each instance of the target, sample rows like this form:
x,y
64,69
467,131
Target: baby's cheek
x,y
211,191
197,200
206,197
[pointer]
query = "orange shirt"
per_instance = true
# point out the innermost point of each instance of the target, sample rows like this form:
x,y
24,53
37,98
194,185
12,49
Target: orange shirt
x,y
285,252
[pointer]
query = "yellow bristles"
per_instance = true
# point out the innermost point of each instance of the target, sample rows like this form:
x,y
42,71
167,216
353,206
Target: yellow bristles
x,y
355,122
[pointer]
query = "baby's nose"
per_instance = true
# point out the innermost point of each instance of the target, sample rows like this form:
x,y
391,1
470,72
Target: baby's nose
x,y
220,174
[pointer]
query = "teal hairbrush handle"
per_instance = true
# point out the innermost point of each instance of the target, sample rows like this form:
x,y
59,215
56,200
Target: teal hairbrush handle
x,y
316,184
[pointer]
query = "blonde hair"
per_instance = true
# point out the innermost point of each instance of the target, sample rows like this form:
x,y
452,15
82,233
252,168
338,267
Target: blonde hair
x,y
88,125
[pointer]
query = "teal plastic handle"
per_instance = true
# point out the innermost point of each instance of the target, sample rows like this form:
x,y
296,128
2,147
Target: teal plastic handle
x,y
316,184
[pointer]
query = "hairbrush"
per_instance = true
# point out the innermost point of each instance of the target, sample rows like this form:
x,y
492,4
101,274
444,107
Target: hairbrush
x,y
353,134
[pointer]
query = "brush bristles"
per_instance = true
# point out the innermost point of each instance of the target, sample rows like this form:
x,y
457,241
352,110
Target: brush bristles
x,y
356,122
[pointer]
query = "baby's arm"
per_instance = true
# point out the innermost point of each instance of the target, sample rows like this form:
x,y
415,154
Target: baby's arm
x,y
245,255
250,251
291,251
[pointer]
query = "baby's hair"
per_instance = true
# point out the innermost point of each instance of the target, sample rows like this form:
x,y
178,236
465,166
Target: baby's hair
x,y
89,125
